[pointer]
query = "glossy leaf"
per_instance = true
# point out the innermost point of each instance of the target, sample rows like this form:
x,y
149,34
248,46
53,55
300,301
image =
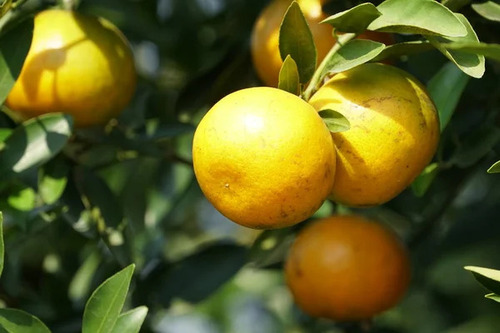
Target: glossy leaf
x,y
296,40
470,63
494,297
35,142
106,302
355,19
131,321
490,50
352,54
17,321
335,121
489,278
404,49
495,168
2,245
14,46
489,10
427,17
52,180
445,89
289,76
422,183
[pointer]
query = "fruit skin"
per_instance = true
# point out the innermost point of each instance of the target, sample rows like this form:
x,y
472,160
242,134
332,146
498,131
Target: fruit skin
x,y
264,158
77,64
265,36
394,132
347,268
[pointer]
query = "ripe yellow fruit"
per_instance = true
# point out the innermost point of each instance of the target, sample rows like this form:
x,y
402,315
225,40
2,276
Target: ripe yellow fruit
x,y
394,132
264,158
77,64
265,36
347,268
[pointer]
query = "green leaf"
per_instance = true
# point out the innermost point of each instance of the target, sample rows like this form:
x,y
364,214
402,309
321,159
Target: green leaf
x,y
82,279
495,168
4,134
355,19
471,64
17,321
22,198
494,297
476,146
130,321
491,51
489,278
335,121
14,46
296,40
422,183
426,17
289,76
489,10
2,246
52,180
352,54
445,88
271,247
404,49
106,302
35,142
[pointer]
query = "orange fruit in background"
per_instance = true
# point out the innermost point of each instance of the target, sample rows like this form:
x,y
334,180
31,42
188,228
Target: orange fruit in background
x,y
394,132
347,268
77,64
265,36
264,158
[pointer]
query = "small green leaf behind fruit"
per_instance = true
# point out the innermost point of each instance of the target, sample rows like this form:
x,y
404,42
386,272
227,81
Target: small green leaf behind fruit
x,y
489,278
422,183
355,19
489,10
426,17
493,296
289,76
495,168
296,40
335,121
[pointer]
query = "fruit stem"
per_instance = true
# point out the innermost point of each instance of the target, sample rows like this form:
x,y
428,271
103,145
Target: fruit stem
x,y
320,73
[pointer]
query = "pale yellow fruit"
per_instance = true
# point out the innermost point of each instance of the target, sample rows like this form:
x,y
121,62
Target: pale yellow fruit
x,y
394,132
264,158
77,64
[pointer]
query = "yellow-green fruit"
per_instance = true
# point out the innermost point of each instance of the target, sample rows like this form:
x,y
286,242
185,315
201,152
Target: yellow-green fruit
x,y
77,64
264,158
394,132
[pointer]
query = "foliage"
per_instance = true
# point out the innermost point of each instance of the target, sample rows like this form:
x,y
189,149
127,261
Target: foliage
x,y
80,205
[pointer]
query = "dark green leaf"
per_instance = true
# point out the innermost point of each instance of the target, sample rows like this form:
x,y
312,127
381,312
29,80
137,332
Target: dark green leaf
x,y
106,302
491,51
494,297
471,64
488,10
35,142
52,180
489,278
296,40
17,321
352,54
289,76
355,19
455,5
271,247
426,17
335,121
445,89
477,145
422,183
2,247
495,168
14,47
404,49
131,321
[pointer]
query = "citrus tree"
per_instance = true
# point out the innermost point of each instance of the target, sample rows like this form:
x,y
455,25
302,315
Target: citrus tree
x,y
249,166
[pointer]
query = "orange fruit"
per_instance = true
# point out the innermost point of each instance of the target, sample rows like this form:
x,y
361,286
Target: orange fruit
x,y
265,36
264,158
77,64
394,132
347,268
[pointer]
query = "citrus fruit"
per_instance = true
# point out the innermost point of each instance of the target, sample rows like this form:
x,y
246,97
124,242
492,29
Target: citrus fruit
x,y
264,158
77,64
347,268
394,132
265,36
